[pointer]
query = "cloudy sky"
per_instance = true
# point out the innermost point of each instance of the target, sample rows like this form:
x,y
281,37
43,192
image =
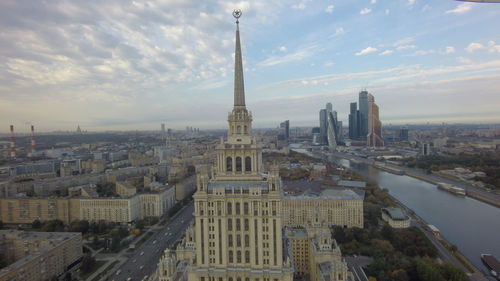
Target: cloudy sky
x,y
135,64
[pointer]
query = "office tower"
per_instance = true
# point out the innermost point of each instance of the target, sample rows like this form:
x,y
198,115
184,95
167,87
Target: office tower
x,y
425,149
329,107
403,134
363,114
238,220
322,126
163,128
354,122
284,133
374,137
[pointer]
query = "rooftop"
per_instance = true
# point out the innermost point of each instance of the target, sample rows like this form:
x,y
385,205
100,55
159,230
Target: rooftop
x,y
395,213
330,194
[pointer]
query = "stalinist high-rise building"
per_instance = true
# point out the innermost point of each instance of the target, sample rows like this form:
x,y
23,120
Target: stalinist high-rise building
x,y
238,219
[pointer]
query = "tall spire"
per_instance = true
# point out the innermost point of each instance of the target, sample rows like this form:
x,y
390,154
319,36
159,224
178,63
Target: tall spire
x,y
239,87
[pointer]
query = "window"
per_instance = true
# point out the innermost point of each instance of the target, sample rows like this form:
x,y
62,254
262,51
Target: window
x,y
238,257
245,129
230,259
230,224
246,225
229,208
238,225
238,164
238,129
229,164
237,208
247,241
238,240
247,256
230,240
245,208
248,164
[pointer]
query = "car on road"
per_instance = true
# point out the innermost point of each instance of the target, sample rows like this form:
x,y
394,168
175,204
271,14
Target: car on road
x,y
118,272
134,260
142,253
141,267
154,242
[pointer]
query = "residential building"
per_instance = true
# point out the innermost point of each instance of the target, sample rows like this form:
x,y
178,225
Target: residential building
x,y
330,207
122,210
39,256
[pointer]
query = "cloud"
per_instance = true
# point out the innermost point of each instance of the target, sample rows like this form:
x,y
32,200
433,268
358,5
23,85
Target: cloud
x,y
404,41
386,52
474,47
365,11
464,60
405,47
366,51
426,8
411,2
461,9
339,31
282,49
493,47
387,11
449,50
301,5
373,2
329,63
329,9
298,55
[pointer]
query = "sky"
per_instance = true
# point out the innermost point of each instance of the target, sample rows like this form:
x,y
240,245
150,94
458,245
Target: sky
x,y
131,65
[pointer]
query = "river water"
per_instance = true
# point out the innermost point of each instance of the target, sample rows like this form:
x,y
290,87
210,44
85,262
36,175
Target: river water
x,y
473,226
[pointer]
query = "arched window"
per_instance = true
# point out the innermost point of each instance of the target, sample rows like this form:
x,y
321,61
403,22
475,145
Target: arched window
x,y
238,129
248,164
230,240
247,241
238,164
245,129
229,208
230,258
229,164
238,257
247,256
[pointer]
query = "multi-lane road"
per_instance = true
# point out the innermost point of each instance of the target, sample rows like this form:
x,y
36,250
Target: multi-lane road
x,y
143,261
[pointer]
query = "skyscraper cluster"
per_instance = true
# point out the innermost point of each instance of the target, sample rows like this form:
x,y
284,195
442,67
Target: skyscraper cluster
x,y
364,123
330,128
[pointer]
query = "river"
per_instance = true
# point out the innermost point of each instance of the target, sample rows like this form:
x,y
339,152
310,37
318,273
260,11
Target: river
x,y
473,226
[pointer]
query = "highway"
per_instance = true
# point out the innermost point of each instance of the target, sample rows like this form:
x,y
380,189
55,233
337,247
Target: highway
x,y
144,260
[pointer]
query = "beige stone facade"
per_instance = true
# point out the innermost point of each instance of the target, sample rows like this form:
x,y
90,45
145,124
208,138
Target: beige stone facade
x,y
121,210
395,217
339,207
316,255
38,255
125,189
158,203
27,209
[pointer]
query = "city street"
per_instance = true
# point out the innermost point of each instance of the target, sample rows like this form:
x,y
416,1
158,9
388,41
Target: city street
x,y
144,260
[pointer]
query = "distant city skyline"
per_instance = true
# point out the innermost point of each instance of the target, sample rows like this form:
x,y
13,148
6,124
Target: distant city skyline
x,y
130,66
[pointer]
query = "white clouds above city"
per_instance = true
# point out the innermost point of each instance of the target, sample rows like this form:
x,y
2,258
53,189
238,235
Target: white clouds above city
x,y
129,64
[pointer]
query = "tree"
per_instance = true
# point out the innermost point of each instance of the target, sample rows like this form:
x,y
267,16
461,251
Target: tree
x,y
88,262
36,224
452,273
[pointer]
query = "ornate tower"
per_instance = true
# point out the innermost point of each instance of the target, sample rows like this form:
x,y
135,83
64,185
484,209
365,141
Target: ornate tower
x,y
238,221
